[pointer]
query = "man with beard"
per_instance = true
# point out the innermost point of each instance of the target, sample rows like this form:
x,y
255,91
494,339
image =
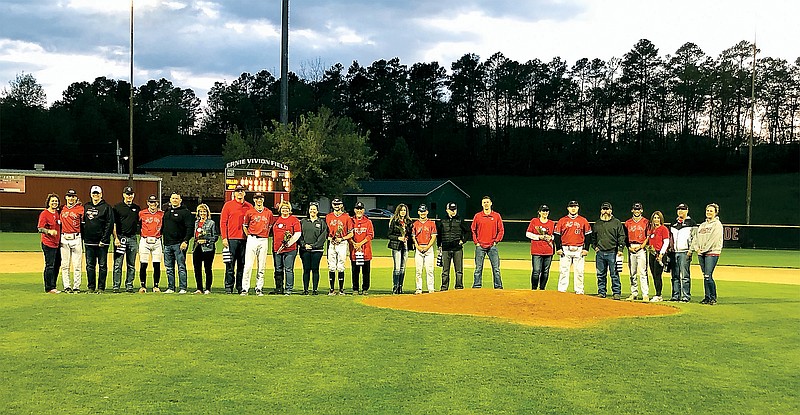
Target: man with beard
x,y
609,241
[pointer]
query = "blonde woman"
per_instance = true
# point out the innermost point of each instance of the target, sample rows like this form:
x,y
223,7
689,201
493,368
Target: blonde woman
x,y
708,245
205,239
285,234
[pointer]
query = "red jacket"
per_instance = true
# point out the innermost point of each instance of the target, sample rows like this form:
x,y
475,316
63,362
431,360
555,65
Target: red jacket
x,y
487,229
232,218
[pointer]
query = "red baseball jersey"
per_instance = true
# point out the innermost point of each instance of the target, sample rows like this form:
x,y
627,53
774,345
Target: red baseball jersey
x,y
281,228
362,231
537,227
258,223
338,225
49,220
71,218
151,223
423,231
637,230
573,231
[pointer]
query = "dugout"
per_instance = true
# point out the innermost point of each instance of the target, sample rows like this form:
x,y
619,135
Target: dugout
x,y
23,192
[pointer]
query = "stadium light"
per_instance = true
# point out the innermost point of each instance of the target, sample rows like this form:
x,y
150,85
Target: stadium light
x,y
130,105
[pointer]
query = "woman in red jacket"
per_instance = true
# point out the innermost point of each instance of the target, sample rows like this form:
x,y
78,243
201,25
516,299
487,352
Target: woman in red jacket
x,y
49,227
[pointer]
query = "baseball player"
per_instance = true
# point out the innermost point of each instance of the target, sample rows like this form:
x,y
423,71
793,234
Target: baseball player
x,y
572,246
150,248
424,233
339,231
71,244
257,222
636,239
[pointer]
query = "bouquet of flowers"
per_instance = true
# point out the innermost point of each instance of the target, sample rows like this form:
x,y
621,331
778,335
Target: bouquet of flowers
x,y
540,230
285,243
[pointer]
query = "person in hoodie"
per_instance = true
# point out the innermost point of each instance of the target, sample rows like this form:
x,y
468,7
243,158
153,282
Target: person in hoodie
x,y
96,228
708,245
453,233
683,232
609,241
313,233
178,227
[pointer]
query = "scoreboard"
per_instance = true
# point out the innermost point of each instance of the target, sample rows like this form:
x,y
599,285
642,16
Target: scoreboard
x,y
259,175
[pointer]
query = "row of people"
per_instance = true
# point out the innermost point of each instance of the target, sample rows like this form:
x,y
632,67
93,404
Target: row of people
x,y
245,229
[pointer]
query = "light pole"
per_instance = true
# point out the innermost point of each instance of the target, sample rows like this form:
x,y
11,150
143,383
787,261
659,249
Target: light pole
x,y
285,62
130,106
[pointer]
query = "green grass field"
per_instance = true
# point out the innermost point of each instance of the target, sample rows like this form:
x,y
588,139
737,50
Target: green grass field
x,y
29,242
189,354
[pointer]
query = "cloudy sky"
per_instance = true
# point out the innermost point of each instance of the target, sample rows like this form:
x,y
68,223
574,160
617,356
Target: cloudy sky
x,y
195,43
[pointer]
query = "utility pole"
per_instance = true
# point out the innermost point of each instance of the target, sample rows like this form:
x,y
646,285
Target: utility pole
x,y
750,140
130,106
285,62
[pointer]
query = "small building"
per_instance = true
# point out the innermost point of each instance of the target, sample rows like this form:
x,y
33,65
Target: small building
x,y
23,192
387,194
197,178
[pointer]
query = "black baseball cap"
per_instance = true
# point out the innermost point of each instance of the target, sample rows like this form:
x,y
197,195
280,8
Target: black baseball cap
x,y
336,201
71,192
606,205
452,206
682,206
239,188
544,208
127,190
572,203
152,198
422,208
359,205
258,195
637,206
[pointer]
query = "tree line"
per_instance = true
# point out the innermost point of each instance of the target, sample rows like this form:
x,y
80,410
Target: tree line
x,y
677,113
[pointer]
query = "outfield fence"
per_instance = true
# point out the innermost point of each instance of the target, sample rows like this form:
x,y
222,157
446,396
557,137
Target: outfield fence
x,y
736,235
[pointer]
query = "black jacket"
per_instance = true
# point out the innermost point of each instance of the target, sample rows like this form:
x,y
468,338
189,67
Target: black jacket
x,y
98,223
127,219
396,231
178,225
453,233
314,233
608,235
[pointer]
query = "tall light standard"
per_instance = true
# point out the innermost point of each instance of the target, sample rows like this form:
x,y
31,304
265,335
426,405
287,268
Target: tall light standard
x,y
130,106
749,197
285,62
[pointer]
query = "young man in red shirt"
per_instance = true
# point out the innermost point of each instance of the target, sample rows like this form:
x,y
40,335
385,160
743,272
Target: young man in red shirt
x,y
636,239
572,246
231,229
257,222
339,231
71,243
150,222
361,249
424,234
487,232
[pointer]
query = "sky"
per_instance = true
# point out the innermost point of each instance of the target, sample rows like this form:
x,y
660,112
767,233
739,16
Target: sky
x,y
196,43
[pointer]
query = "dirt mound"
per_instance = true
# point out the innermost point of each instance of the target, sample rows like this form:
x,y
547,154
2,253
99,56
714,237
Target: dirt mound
x,y
535,308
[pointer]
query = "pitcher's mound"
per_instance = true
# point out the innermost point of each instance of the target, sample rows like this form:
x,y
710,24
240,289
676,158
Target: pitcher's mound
x,y
536,308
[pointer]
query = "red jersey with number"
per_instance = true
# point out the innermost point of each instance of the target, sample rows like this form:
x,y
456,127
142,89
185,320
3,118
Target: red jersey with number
x,y
637,230
573,231
338,225
258,223
423,231
49,220
537,227
231,219
71,218
282,230
362,231
151,223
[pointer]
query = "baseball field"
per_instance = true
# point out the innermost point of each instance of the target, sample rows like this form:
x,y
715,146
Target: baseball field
x,y
467,352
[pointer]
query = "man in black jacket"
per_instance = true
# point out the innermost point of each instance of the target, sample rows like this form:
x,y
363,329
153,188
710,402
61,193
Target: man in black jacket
x,y
98,222
609,241
126,227
453,232
177,229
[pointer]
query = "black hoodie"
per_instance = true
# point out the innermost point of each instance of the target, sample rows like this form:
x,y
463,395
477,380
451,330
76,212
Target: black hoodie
x,y
97,224
178,225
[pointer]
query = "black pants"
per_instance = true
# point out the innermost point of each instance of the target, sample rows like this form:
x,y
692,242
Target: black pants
x,y
311,260
203,261
236,246
656,269
52,262
357,269
96,259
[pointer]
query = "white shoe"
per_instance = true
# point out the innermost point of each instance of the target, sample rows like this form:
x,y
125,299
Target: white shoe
x,y
182,292
631,298
418,292
168,291
243,294
207,292
198,292
156,290
645,298
259,293
656,299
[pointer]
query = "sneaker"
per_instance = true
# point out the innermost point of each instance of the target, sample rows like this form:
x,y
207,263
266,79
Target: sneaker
x,y
305,292
259,293
198,292
600,295
54,291
315,292
341,292
142,290
360,292
712,302
207,292
656,299
115,290
156,290
129,290
76,290
331,292
365,292
182,292
645,298
418,292
287,293
100,292
704,301
631,298
243,293
67,290
169,291
617,297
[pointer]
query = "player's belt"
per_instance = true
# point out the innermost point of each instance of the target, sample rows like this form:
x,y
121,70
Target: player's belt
x,y
259,237
70,236
573,248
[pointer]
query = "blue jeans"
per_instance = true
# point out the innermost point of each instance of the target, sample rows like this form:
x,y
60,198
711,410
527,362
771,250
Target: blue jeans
x,y
173,254
681,279
399,257
707,264
51,266
96,259
131,248
494,259
540,270
606,262
284,268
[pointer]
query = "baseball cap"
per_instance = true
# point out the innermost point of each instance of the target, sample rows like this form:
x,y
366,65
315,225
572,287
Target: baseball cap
x,y
422,208
239,188
96,189
71,192
637,206
682,206
452,206
152,198
359,205
605,205
544,208
336,201
573,203
258,195
127,190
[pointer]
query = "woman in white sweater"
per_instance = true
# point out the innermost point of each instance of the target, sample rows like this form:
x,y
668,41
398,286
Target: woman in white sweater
x,y
708,245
